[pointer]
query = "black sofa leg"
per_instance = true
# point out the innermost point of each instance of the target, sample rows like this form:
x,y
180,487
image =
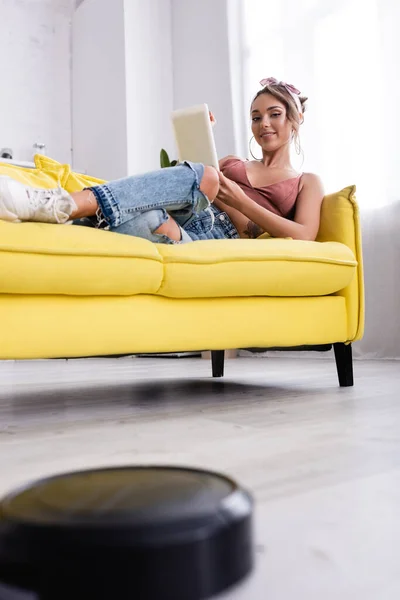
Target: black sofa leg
x,y
217,361
344,364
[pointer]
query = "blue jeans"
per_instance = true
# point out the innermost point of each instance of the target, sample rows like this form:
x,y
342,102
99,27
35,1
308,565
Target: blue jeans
x,y
139,205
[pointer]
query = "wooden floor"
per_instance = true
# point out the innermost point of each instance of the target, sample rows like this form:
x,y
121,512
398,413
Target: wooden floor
x,y
322,462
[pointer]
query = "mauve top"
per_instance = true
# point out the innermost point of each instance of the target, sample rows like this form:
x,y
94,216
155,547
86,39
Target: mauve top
x,y
279,198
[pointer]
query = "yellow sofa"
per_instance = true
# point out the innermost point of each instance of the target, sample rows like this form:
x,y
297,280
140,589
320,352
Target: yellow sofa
x,y
68,291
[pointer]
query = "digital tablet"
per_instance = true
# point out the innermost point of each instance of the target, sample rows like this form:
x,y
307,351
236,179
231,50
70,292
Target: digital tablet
x,y
194,135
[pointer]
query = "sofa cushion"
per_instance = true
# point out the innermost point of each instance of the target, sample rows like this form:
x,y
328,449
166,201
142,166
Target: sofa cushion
x,y
63,174
271,267
37,258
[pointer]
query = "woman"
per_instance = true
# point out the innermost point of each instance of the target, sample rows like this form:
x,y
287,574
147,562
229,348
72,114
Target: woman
x,y
174,205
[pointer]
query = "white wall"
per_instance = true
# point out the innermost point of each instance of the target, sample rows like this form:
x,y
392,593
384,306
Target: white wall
x,y
149,78
122,85
381,250
35,102
201,63
99,117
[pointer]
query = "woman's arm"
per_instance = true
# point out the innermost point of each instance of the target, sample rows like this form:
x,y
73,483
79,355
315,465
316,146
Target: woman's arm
x,y
222,161
307,217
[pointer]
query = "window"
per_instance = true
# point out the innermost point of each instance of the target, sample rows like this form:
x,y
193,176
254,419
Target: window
x,y
341,54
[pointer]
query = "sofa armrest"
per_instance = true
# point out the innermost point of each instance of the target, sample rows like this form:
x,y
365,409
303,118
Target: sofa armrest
x,y
340,222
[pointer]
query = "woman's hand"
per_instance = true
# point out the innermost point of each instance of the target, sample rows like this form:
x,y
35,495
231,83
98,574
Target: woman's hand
x,y
212,119
230,192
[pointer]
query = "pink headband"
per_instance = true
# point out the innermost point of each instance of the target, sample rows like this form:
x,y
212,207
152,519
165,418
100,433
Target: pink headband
x,y
294,92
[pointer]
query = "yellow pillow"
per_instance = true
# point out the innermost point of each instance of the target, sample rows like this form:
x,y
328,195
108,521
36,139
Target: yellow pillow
x,y
69,180
49,174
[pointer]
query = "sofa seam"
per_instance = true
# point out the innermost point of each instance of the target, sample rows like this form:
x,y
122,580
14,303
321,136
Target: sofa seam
x,y
169,260
86,255
265,259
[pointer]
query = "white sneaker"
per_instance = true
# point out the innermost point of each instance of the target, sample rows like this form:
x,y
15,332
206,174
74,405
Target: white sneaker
x,y
20,202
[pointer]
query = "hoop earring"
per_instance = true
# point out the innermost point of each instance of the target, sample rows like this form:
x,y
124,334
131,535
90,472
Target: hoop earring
x,y
297,145
251,153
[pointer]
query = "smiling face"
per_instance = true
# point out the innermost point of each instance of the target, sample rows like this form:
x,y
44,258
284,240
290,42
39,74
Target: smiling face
x,y
269,123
